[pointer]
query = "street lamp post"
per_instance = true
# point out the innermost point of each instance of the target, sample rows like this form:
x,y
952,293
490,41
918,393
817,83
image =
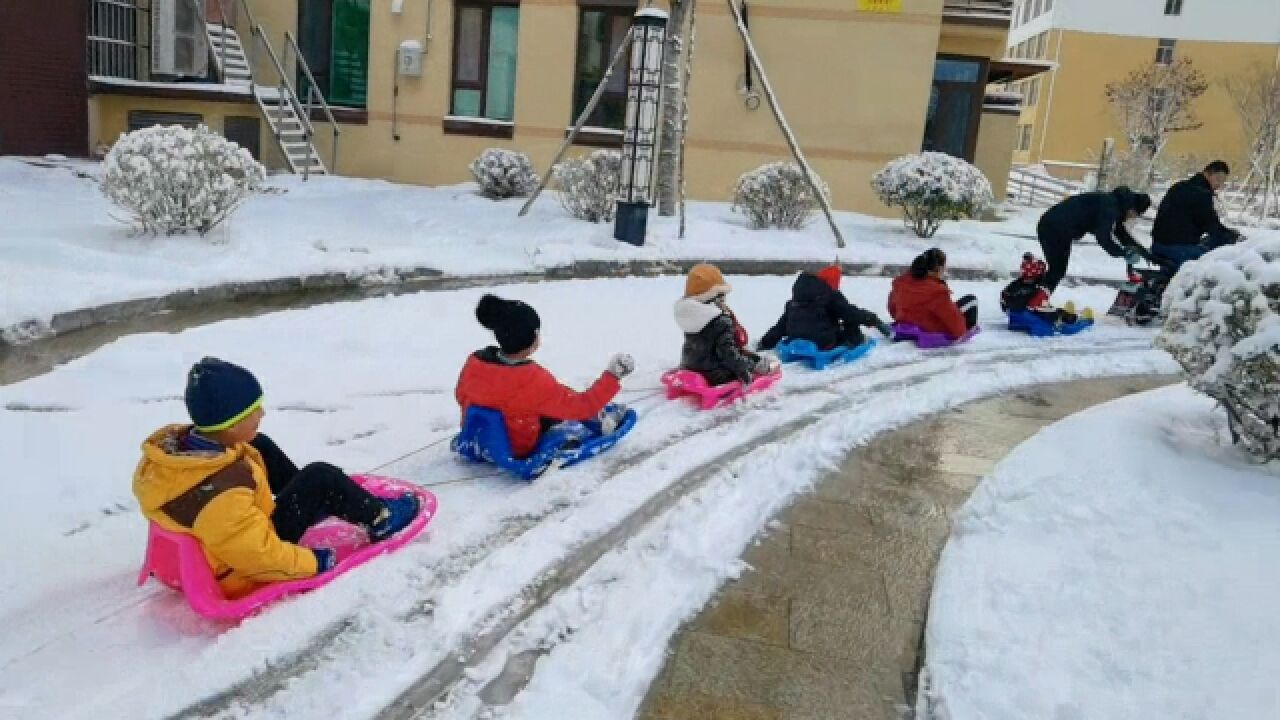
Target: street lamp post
x,y
640,134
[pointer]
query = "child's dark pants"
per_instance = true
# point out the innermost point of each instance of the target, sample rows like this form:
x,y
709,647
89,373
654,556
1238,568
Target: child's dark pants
x,y
307,496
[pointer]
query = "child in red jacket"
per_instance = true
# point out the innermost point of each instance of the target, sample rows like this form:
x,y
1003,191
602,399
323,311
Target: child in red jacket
x,y
921,298
531,400
1029,294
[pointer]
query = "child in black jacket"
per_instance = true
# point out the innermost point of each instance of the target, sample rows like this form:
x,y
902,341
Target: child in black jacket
x,y
820,313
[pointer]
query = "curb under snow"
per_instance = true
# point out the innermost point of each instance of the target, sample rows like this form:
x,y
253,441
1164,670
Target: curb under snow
x,y
336,286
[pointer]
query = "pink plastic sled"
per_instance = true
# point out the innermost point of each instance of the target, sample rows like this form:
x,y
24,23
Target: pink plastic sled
x,y
929,340
688,382
177,560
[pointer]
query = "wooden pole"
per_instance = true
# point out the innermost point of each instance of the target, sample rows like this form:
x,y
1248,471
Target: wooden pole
x,y
782,123
623,47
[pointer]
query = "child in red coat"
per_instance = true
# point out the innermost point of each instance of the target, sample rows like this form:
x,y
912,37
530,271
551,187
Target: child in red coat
x,y
921,298
531,400
1029,294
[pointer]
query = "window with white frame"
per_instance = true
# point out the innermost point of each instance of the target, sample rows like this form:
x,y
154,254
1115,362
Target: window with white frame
x,y
1024,138
1164,51
1172,7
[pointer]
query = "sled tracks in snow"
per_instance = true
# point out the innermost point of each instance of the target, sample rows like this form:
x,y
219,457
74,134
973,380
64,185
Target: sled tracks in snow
x,y
848,388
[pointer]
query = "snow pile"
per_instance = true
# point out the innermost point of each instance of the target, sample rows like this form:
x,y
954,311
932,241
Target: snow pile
x,y
1120,564
777,195
1223,326
931,187
504,174
172,179
588,185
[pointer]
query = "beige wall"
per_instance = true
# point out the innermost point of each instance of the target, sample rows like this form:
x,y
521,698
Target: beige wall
x,y
855,91
1073,116
109,118
995,137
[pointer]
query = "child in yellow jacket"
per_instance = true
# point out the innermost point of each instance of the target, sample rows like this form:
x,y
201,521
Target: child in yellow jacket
x,y
232,488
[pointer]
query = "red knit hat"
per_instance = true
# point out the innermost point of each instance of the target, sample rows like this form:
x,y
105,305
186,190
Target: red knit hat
x,y
831,276
1033,268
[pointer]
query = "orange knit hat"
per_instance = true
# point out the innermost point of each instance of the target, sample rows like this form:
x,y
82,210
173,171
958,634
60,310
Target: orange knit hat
x,y
831,276
705,282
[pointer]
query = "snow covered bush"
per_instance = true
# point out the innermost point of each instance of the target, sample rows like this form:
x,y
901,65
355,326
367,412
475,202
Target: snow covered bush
x,y
931,187
588,185
777,196
172,179
504,174
1222,324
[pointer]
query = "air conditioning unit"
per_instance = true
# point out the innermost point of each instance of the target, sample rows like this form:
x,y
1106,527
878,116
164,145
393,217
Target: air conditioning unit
x,y
179,46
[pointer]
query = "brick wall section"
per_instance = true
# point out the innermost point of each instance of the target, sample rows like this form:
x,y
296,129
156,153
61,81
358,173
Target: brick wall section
x,y
44,100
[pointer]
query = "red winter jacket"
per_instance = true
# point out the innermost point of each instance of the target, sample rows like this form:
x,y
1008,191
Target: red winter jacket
x,y
927,304
525,393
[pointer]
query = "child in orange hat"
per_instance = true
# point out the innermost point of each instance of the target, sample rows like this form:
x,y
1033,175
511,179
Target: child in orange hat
x,y
820,313
714,342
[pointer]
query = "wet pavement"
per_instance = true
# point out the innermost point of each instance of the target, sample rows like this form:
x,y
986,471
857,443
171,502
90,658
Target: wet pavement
x,y
828,621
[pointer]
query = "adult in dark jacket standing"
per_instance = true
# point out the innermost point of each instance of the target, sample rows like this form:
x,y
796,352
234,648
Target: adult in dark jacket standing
x,y
1187,224
1102,214
820,313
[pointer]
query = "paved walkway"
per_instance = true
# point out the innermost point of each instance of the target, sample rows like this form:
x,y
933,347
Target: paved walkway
x,y
828,622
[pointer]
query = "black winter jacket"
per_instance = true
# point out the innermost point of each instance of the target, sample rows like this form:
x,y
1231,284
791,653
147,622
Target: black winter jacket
x,y
1187,213
709,347
1101,214
819,314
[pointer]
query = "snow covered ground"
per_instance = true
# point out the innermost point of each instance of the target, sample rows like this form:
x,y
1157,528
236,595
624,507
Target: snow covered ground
x,y
361,384
1120,564
61,249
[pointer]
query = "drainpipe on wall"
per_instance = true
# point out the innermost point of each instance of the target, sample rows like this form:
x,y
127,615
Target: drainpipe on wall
x,y
1048,108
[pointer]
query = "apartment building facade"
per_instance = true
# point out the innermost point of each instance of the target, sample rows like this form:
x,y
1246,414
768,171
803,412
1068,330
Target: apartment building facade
x,y
413,90
1086,44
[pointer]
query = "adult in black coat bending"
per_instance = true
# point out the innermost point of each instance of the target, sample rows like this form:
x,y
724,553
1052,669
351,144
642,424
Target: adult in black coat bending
x,y
1187,224
820,313
1101,213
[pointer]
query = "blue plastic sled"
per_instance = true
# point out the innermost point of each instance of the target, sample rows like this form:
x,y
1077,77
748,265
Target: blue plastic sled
x,y
484,439
805,350
1036,326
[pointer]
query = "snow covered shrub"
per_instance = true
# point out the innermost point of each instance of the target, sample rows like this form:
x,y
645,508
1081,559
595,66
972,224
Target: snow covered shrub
x,y
588,185
504,174
931,187
174,179
1222,325
777,195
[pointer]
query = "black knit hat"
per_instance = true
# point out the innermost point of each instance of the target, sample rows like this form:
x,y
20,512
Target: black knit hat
x,y
220,394
515,324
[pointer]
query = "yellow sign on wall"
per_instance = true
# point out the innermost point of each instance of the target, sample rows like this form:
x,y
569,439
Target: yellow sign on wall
x,y
880,6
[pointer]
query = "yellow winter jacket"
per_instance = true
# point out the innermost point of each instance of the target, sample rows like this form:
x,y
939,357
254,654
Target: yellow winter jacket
x,y
224,500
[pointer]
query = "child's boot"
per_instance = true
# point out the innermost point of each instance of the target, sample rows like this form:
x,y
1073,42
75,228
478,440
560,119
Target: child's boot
x,y
1070,307
1087,314
398,514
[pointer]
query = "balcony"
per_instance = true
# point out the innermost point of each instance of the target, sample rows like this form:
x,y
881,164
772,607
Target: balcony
x,y
988,13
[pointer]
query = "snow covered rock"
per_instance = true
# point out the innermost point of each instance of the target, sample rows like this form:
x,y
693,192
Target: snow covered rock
x,y
777,195
588,185
504,174
172,179
931,187
1222,324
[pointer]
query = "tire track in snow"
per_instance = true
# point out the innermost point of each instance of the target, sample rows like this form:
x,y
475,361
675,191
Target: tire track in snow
x,y
329,645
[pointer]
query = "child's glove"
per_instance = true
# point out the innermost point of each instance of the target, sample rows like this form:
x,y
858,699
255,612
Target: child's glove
x,y
326,559
621,365
611,417
765,366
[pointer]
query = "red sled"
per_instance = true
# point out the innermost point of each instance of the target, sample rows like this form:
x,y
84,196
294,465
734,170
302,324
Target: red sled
x,y
177,559
688,382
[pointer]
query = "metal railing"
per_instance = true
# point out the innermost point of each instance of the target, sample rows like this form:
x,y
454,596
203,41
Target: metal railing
x,y
1031,188
112,35
992,8
300,60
